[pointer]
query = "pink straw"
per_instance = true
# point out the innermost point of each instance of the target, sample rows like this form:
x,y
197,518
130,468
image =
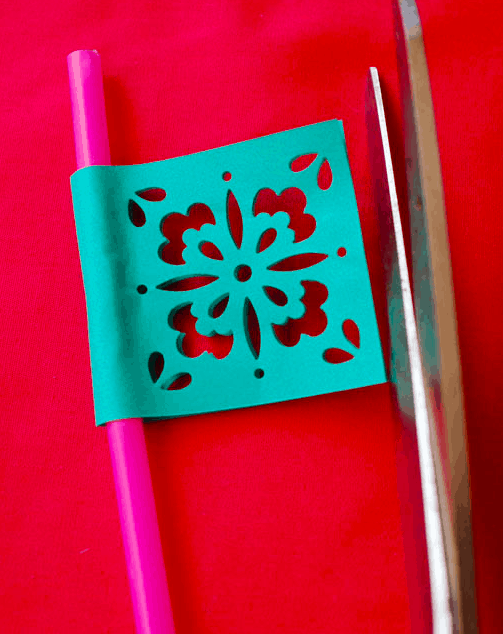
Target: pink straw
x,y
133,484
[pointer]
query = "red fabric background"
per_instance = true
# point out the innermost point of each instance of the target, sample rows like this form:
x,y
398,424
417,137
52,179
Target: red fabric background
x,y
279,519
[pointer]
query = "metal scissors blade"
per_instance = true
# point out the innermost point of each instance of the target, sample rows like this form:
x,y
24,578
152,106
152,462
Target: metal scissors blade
x,y
425,366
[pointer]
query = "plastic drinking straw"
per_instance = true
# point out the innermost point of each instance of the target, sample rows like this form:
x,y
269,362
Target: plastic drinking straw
x,y
133,484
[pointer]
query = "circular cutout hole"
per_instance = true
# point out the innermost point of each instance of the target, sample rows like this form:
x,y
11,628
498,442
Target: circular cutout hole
x,y
242,272
142,289
341,252
227,176
259,373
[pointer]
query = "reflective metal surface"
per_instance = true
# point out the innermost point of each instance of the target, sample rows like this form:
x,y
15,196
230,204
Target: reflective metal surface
x,y
435,314
405,364
425,366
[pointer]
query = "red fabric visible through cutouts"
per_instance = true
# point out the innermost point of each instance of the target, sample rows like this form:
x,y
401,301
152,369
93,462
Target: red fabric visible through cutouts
x,y
314,320
325,175
302,162
252,328
293,201
187,283
155,366
298,262
152,194
211,251
266,239
174,226
276,295
234,219
192,343
136,214
337,355
351,332
180,382
218,309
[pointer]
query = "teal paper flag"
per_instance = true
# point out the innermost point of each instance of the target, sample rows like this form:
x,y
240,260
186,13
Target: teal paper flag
x,y
225,279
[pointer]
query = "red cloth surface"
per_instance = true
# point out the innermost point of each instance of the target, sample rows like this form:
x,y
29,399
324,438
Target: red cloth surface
x,y
284,518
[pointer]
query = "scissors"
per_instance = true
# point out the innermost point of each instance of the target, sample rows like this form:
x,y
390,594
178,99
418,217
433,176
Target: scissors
x,y
424,364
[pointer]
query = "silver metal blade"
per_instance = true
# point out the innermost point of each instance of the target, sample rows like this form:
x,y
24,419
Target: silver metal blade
x,y
405,365
435,313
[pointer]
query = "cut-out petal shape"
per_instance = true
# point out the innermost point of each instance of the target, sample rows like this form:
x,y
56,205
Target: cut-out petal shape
x,y
234,219
298,262
173,227
292,201
266,239
210,251
325,175
276,296
155,366
312,323
179,381
217,309
336,355
351,332
136,214
302,162
252,328
152,194
188,283
191,343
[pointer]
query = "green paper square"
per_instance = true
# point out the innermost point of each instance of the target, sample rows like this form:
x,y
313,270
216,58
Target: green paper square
x,y
139,353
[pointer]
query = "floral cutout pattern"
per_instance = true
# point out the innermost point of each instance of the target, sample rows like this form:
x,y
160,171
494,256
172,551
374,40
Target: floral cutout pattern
x,y
240,278
191,235
186,244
